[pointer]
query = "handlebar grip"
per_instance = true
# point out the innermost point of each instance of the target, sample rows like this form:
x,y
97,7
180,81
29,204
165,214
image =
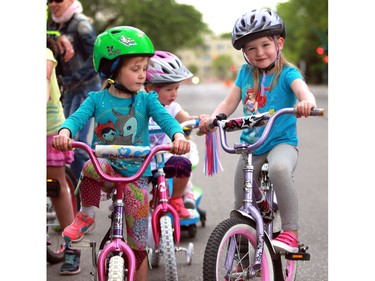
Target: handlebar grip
x,y
317,112
199,133
211,126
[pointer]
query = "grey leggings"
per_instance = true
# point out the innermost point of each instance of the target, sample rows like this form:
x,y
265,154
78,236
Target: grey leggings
x,y
282,161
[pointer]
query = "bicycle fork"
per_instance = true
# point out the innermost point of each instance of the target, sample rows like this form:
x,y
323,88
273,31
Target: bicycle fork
x,y
163,207
250,211
116,244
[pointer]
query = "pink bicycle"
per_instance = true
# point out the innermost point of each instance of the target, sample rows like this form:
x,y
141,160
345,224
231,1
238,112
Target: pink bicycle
x,y
116,260
165,222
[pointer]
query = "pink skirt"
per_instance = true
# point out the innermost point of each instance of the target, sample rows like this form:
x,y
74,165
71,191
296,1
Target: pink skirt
x,y
57,158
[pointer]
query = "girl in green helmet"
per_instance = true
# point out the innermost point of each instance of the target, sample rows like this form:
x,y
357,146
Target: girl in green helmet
x,y
121,112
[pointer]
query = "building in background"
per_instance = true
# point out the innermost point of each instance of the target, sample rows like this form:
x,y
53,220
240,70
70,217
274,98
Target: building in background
x,y
216,60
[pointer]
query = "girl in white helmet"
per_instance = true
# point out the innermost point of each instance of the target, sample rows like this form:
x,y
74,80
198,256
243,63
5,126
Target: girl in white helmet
x,y
164,76
268,82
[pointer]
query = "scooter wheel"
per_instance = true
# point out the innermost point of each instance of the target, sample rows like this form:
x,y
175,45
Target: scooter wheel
x,y
192,229
202,214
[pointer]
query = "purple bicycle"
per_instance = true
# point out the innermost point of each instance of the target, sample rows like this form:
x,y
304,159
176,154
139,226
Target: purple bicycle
x,y
240,247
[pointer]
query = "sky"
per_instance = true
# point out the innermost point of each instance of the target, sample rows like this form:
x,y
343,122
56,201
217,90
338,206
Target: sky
x,y
221,15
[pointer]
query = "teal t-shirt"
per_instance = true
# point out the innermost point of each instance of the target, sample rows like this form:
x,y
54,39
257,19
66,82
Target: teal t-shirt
x,y
122,121
281,96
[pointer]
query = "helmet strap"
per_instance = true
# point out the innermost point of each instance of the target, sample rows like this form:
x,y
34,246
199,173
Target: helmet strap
x,y
262,83
118,86
122,88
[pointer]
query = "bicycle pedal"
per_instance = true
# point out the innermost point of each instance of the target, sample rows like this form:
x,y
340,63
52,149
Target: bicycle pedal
x,y
84,243
301,256
303,248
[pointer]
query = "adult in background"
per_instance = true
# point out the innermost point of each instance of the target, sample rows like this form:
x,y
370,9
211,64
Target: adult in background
x,y
76,76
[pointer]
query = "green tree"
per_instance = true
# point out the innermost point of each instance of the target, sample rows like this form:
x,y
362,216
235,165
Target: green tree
x,y
193,68
221,67
168,24
307,29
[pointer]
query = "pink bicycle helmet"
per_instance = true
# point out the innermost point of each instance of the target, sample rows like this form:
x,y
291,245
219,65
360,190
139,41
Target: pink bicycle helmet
x,y
256,24
166,68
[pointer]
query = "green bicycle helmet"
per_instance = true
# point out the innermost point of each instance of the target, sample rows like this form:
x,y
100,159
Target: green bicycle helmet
x,y
116,42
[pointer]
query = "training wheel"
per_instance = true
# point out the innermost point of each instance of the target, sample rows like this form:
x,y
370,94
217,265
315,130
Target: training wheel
x,y
189,253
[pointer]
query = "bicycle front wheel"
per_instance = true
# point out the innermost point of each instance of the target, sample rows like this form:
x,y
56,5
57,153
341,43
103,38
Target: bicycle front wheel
x,y
116,269
230,252
168,249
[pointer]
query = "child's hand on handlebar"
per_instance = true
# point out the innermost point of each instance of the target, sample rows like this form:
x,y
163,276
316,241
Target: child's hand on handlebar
x,y
205,124
62,141
180,145
304,107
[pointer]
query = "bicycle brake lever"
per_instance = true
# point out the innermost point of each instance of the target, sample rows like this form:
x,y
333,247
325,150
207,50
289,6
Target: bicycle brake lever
x,y
219,117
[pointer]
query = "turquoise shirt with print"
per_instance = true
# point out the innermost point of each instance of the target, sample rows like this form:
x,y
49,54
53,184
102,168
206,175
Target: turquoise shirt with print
x,y
115,123
284,130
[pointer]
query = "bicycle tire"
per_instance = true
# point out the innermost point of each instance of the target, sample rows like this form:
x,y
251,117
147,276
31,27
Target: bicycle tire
x,y
289,270
53,256
285,269
216,250
55,250
116,269
168,249
72,184
155,259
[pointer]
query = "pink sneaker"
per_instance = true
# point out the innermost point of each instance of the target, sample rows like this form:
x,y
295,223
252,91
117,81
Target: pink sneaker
x,y
286,242
178,205
81,224
189,201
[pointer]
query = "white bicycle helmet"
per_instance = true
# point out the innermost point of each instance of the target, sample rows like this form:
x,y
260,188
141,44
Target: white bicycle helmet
x,y
166,68
256,24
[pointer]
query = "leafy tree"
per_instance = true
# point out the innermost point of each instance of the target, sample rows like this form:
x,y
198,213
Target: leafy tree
x,y
168,24
193,68
307,29
221,67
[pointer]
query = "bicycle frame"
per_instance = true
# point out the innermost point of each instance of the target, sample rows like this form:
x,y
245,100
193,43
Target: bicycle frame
x,y
249,209
161,205
117,244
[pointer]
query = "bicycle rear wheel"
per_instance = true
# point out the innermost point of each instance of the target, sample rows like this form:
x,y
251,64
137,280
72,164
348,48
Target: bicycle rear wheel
x,y
168,249
72,184
55,242
225,261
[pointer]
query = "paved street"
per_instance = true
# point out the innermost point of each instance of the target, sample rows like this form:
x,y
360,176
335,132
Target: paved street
x,y
311,178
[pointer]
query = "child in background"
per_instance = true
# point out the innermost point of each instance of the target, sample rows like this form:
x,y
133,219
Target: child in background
x,y
164,76
56,160
121,112
268,82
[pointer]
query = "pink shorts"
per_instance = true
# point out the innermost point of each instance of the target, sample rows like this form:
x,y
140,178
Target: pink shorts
x,y
56,158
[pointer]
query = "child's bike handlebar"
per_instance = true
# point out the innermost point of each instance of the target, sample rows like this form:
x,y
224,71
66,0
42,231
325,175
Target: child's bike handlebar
x,y
143,153
256,120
